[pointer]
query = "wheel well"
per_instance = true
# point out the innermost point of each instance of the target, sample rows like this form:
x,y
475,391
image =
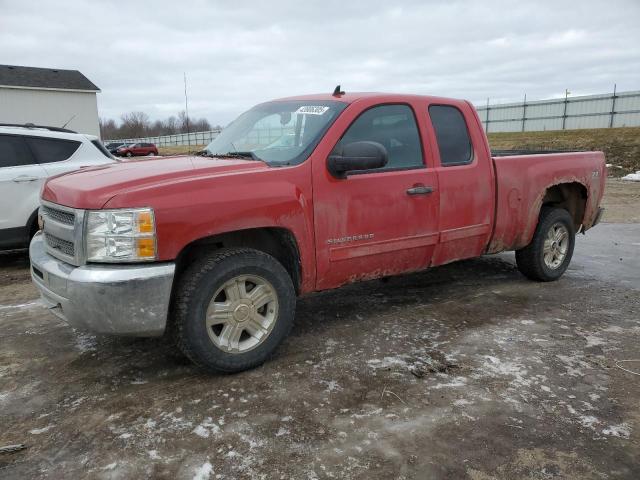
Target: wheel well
x,y
570,196
277,242
32,224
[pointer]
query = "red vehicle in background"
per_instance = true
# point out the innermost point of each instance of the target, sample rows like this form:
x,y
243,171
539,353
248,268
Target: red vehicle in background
x,y
137,150
214,249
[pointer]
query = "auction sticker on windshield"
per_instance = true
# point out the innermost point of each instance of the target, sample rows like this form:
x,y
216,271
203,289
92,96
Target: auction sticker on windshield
x,y
312,109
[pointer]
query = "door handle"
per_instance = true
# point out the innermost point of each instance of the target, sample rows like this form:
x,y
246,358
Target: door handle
x,y
419,190
25,178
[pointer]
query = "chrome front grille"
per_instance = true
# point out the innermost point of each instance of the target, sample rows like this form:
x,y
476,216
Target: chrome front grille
x,y
61,216
63,227
64,246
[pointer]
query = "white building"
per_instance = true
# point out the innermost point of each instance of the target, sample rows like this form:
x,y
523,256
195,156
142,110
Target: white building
x,y
47,96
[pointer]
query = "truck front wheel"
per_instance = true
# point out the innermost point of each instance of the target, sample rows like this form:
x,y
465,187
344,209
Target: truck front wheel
x,y
548,255
232,309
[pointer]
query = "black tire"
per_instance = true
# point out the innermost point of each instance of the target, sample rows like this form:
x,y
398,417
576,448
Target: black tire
x,y
195,290
530,259
129,154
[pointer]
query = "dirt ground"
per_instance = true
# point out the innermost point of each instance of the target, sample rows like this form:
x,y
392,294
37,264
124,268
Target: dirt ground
x,y
465,371
621,201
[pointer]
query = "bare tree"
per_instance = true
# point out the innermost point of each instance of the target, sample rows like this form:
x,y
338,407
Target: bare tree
x,y
138,125
108,127
134,124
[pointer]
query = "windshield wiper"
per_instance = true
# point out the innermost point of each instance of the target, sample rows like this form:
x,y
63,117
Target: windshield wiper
x,y
237,154
246,155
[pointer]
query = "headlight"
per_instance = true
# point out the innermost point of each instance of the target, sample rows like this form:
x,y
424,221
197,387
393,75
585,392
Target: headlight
x,y
126,235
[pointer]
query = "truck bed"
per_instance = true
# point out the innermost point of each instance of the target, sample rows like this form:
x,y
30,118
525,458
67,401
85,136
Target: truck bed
x,y
522,181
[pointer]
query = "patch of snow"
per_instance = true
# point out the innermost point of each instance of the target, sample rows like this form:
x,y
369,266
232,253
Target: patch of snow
x,y
456,382
593,341
634,177
572,363
496,367
462,402
288,418
201,431
206,428
20,305
614,329
86,342
622,431
332,386
203,472
38,431
281,432
587,421
387,362
126,435
153,455
111,466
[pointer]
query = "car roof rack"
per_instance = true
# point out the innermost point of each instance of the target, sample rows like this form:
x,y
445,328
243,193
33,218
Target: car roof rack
x,y
31,125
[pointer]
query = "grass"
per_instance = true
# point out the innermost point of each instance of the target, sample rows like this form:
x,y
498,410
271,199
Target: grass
x,y
620,145
180,149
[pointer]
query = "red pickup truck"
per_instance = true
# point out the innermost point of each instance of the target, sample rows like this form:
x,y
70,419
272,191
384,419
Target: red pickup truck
x,y
298,195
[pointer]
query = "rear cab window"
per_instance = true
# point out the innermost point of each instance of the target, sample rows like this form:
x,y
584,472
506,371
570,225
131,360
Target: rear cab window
x,y
51,150
394,127
452,135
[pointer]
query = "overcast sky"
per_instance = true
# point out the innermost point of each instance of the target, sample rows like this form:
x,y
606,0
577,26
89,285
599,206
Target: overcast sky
x,y
236,54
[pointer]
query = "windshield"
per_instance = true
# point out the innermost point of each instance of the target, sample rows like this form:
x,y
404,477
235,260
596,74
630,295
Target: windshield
x,y
278,133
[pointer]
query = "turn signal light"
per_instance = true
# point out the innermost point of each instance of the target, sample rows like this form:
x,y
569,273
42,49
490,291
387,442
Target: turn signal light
x,y
146,247
145,222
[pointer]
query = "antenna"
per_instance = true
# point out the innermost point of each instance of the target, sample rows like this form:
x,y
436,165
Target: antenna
x,y
337,92
68,121
186,108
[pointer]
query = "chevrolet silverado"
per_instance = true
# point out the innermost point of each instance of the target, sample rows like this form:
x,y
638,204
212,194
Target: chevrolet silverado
x,y
298,195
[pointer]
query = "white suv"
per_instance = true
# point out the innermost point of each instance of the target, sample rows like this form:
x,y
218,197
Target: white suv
x,y
28,155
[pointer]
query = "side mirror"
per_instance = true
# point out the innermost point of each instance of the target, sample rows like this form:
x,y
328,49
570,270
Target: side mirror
x,y
356,156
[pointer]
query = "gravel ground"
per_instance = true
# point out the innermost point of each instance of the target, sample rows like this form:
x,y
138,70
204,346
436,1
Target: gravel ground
x,y
464,371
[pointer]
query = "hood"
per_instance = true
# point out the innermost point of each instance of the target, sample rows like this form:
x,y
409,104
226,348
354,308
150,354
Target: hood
x,y
93,187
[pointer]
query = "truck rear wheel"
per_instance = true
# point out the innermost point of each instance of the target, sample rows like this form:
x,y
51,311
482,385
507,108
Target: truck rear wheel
x,y
548,255
232,309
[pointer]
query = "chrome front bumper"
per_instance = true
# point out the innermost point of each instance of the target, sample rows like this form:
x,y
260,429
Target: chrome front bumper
x,y
113,299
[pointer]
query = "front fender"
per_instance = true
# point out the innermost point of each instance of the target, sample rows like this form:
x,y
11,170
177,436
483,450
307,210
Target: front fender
x,y
193,209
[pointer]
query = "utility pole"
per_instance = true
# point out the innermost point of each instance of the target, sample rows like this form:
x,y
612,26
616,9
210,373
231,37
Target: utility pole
x,y
524,111
613,106
186,108
486,123
566,101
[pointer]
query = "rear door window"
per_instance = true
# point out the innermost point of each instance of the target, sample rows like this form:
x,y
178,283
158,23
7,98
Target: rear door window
x,y
51,150
14,151
452,134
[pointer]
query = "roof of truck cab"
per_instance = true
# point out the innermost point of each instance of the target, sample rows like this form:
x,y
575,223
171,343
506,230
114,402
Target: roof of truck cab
x,y
350,97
